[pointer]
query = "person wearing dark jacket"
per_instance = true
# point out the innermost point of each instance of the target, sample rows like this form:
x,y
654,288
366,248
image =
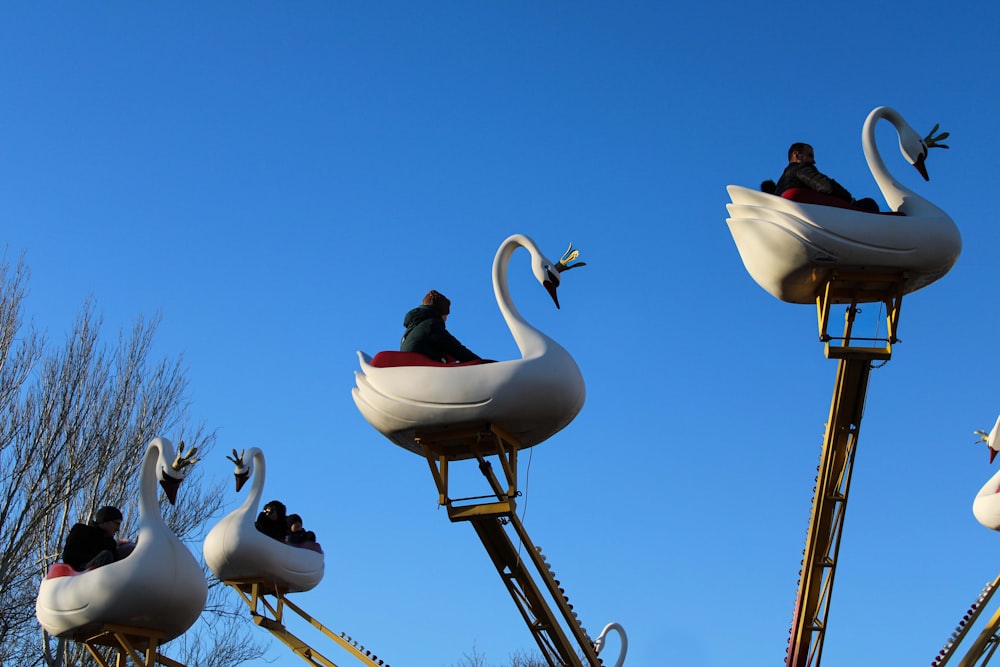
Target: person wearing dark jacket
x,y
93,544
801,172
426,333
296,534
271,521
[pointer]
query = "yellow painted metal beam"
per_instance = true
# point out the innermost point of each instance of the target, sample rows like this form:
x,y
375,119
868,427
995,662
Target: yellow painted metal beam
x,y
826,520
131,643
269,615
965,625
855,355
844,287
985,646
544,607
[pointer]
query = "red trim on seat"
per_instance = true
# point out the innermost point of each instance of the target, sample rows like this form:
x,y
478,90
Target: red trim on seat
x,y
61,570
807,196
390,359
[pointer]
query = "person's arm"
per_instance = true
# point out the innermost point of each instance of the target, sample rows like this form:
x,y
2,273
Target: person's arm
x,y
445,341
812,177
840,191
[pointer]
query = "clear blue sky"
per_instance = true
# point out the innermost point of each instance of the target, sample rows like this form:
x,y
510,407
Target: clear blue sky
x,y
282,181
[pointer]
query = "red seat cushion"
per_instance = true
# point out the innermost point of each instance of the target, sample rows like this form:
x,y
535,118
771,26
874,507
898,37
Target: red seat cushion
x,y
389,359
60,570
807,196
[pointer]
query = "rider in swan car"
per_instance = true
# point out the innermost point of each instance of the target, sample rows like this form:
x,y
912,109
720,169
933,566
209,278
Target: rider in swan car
x,y
93,544
801,172
426,333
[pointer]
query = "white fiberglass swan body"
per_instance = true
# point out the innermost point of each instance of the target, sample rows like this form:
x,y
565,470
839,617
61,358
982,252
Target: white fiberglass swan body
x,y
235,550
986,506
531,398
159,586
789,248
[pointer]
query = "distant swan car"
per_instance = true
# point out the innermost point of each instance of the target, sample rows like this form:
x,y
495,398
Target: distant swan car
x,y
986,506
235,550
531,398
159,586
790,247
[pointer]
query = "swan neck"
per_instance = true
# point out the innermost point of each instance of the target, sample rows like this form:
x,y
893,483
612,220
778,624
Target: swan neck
x,y
617,627
894,192
149,504
525,335
258,473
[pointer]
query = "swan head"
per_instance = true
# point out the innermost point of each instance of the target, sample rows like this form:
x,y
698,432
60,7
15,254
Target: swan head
x,y
242,471
992,439
547,273
171,478
914,148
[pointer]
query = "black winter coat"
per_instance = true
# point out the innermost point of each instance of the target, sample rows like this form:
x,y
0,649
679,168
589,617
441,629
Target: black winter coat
x,y
275,528
805,175
427,335
84,542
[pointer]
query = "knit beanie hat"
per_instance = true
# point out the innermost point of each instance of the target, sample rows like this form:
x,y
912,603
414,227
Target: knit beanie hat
x,y
437,301
107,513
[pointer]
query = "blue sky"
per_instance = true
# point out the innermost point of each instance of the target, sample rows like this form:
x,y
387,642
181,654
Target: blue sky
x,y
283,181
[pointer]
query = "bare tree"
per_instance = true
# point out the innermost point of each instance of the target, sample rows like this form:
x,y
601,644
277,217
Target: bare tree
x,y
74,423
517,659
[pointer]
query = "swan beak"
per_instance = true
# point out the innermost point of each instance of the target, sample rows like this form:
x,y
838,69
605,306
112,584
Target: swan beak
x,y
921,167
169,485
241,479
550,287
993,454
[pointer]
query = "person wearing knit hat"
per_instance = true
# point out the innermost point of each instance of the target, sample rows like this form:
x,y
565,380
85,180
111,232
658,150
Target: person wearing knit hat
x,y
426,333
296,533
93,544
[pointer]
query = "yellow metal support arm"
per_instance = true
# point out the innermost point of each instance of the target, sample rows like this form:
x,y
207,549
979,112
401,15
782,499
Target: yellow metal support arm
x,y
826,521
545,609
270,616
844,287
136,644
968,620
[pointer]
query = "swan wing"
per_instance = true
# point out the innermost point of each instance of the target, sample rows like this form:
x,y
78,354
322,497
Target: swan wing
x,y
789,248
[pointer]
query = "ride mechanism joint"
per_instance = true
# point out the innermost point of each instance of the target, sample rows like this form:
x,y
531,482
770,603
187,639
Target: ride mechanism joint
x,y
852,289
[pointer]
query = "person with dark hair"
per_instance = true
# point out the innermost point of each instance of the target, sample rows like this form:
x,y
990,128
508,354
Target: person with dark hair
x,y
801,172
426,333
296,535
93,544
271,521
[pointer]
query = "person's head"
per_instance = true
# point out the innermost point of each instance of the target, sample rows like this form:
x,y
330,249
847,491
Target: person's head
x,y
294,522
108,519
438,302
275,510
801,152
